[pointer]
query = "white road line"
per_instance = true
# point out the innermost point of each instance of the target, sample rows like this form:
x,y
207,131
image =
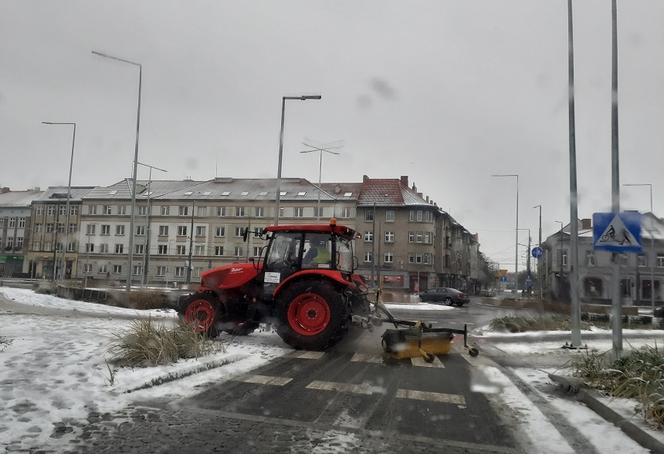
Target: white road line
x,y
366,358
364,388
420,362
264,380
456,399
307,355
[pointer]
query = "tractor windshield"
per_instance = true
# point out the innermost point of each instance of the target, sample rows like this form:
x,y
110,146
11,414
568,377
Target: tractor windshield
x,y
344,255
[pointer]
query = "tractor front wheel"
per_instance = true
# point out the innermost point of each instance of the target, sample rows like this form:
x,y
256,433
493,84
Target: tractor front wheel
x,y
200,312
312,315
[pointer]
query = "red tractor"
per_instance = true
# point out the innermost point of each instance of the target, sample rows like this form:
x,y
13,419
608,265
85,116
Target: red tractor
x,y
303,284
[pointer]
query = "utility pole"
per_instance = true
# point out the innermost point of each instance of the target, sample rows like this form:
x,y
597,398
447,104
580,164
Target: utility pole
x,y
616,309
539,259
573,199
148,219
373,246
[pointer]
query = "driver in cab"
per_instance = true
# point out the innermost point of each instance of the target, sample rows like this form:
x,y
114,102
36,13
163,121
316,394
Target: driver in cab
x,y
318,255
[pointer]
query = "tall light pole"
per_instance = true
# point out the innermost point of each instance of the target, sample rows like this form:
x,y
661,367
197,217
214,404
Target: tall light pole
x,y
71,165
560,242
539,245
320,150
652,248
146,251
135,171
573,193
516,228
281,145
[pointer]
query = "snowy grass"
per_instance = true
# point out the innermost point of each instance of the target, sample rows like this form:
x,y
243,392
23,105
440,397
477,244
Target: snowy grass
x,y
521,323
148,343
418,307
637,375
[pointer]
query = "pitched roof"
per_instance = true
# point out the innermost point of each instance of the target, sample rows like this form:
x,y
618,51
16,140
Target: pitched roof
x,y
389,192
18,198
59,193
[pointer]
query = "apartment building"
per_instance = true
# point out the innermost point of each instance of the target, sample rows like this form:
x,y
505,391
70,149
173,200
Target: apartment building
x,y
54,233
15,214
201,218
595,268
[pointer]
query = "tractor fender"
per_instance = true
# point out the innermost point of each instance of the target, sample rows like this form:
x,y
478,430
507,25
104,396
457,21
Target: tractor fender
x,y
332,275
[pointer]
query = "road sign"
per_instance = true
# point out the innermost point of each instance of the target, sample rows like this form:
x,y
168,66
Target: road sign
x,y
617,232
537,252
503,279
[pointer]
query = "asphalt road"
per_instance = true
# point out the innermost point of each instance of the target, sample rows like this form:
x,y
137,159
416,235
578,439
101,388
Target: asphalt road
x,y
348,399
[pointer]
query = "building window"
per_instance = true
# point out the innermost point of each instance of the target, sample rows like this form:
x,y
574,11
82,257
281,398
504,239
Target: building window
x,y
199,249
142,210
122,209
61,228
87,268
428,237
197,271
390,215
12,223
103,268
21,223
73,211
411,237
39,228
345,212
163,230
180,249
117,269
92,209
259,212
165,210
162,249
138,270
220,231
239,231
90,229
299,212
238,251
239,212
219,250
389,237
108,209
140,230
592,287
318,212
103,248
590,258
62,210
39,210
641,260
200,230
388,257
89,247
105,229
221,211
180,271
183,210
119,248
201,211
139,248
368,257
72,228
161,270
50,210
182,230
427,259
418,237
257,251
119,229
564,258
660,261
368,237
49,228
71,246
369,215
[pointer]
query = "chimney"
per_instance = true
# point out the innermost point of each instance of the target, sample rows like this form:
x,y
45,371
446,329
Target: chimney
x,y
586,224
419,194
414,188
427,199
404,180
365,178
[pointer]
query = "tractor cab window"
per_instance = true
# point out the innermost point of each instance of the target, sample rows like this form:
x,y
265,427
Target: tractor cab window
x,y
317,251
344,255
284,253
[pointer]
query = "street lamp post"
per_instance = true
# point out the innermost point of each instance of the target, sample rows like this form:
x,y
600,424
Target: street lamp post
x,y
561,249
135,168
71,165
516,228
146,250
320,150
281,146
652,248
539,245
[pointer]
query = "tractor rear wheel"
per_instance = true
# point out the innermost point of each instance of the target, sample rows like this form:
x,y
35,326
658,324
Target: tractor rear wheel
x,y
312,315
201,312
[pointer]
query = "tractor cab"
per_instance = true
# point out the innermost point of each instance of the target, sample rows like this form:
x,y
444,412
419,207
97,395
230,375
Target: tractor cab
x,y
297,250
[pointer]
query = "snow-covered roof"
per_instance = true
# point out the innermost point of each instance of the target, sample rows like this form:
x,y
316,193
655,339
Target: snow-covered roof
x,y
13,199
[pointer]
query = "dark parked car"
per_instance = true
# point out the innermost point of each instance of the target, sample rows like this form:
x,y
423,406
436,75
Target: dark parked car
x,y
445,295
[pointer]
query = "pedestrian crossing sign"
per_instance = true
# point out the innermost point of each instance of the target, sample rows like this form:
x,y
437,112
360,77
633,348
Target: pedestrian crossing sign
x,y
617,232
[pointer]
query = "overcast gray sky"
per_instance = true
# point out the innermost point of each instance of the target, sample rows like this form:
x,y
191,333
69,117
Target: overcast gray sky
x,y
447,92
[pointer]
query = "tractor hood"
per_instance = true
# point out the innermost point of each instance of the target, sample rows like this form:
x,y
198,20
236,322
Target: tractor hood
x,y
229,276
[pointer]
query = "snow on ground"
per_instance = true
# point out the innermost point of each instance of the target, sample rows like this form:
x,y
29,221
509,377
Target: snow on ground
x,y
594,332
603,435
418,307
530,346
530,419
54,370
31,298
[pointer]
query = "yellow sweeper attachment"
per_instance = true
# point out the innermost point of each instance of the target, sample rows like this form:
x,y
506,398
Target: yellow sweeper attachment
x,y
419,339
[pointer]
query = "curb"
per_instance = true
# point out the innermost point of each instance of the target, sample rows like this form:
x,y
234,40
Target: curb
x,y
588,397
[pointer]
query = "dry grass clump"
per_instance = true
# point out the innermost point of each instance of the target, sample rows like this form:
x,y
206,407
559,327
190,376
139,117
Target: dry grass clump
x,y
521,323
637,375
147,343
